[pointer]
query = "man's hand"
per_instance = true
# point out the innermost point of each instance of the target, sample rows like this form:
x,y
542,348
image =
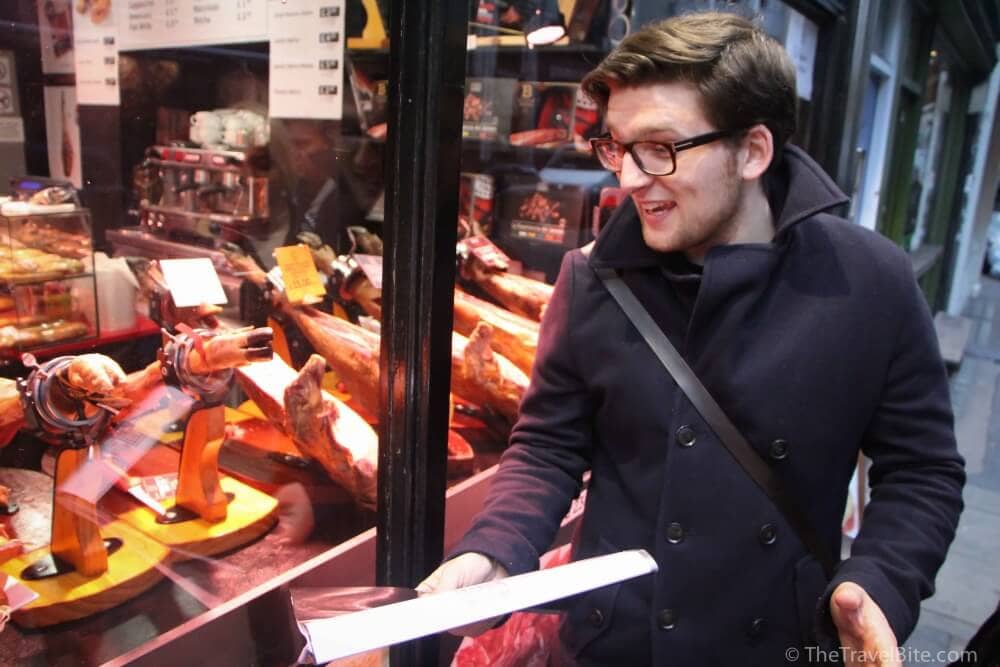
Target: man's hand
x,y
865,634
467,569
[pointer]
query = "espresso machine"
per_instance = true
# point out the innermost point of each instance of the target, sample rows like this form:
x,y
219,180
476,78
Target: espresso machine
x,y
192,201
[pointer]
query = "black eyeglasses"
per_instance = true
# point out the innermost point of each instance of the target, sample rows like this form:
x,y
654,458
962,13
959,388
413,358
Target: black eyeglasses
x,y
653,157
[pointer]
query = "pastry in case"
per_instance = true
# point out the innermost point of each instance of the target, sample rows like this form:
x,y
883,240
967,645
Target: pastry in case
x,y
47,284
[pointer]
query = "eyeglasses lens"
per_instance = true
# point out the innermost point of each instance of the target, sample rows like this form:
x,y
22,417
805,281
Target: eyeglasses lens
x,y
654,158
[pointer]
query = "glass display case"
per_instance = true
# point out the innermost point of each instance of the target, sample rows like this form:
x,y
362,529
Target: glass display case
x,y
433,192
47,286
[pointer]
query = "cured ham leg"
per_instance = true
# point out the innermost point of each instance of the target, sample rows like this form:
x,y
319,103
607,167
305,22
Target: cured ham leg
x,y
324,428
225,349
351,351
514,336
478,374
521,295
88,376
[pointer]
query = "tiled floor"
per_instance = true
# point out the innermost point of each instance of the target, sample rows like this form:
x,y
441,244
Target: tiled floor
x,y
968,585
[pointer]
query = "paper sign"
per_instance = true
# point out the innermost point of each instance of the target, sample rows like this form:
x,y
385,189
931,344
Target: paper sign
x,y
371,266
18,595
306,59
11,130
298,272
95,43
349,634
192,282
154,24
800,43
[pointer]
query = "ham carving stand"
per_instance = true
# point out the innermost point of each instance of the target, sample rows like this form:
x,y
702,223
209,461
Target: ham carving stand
x,y
89,565
211,512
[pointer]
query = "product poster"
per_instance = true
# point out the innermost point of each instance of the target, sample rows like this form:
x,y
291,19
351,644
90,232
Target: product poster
x,y
55,31
307,59
95,41
62,133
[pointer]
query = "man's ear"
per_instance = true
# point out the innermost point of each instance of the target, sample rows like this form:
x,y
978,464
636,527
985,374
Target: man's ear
x,y
758,151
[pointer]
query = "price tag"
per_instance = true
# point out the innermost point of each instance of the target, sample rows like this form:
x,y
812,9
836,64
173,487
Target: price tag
x,y
193,282
371,266
486,252
298,271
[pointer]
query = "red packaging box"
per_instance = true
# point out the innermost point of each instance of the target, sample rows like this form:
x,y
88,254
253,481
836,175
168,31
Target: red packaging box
x,y
475,204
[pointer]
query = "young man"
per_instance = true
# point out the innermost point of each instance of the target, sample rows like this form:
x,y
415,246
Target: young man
x,y
809,331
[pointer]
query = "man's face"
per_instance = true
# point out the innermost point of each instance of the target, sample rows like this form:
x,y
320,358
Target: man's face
x,y
311,152
695,208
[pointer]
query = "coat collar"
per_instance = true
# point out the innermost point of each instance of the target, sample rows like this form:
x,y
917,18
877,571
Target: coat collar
x,y
797,188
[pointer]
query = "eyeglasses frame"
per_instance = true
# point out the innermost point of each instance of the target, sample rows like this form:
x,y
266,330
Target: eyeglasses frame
x,y
675,147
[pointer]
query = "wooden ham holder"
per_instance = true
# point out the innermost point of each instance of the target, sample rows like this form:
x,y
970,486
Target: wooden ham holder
x,y
88,567
212,513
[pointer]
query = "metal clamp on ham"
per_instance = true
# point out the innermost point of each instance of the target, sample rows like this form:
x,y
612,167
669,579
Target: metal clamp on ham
x,y
52,413
344,270
176,367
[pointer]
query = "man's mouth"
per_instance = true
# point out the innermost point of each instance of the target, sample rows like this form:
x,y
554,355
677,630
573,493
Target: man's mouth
x,y
656,207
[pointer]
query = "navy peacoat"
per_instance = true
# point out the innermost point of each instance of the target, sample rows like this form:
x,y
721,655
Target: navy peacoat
x,y
818,345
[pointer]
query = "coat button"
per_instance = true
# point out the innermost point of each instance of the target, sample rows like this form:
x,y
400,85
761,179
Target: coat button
x,y
685,436
675,533
666,619
595,617
768,534
757,628
778,451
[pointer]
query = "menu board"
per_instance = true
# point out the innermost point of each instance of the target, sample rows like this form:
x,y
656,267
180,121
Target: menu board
x,y
95,45
155,24
307,58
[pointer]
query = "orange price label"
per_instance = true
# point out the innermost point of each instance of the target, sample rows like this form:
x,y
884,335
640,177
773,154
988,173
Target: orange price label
x,y
298,271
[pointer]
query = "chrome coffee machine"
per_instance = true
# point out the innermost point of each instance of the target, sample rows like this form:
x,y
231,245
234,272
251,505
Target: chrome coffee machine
x,y
206,195
192,201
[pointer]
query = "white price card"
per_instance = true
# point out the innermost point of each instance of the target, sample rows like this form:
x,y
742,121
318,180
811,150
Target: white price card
x,y
371,266
154,24
307,58
18,595
192,282
95,43
352,633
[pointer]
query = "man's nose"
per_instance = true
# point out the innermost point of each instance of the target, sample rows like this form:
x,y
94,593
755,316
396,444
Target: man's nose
x,y
631,177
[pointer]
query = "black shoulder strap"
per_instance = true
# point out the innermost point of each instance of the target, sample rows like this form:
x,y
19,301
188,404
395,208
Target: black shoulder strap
x,y
755,466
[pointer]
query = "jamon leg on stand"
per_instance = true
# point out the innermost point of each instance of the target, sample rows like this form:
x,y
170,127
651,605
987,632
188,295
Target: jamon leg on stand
x,y
323,428
351,351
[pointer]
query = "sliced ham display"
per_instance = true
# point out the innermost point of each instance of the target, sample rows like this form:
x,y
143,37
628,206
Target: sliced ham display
x,y
351,351
483,377
323,427
514,336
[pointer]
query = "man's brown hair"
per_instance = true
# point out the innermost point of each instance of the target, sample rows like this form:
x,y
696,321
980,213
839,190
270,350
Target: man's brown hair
x,y
744,75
